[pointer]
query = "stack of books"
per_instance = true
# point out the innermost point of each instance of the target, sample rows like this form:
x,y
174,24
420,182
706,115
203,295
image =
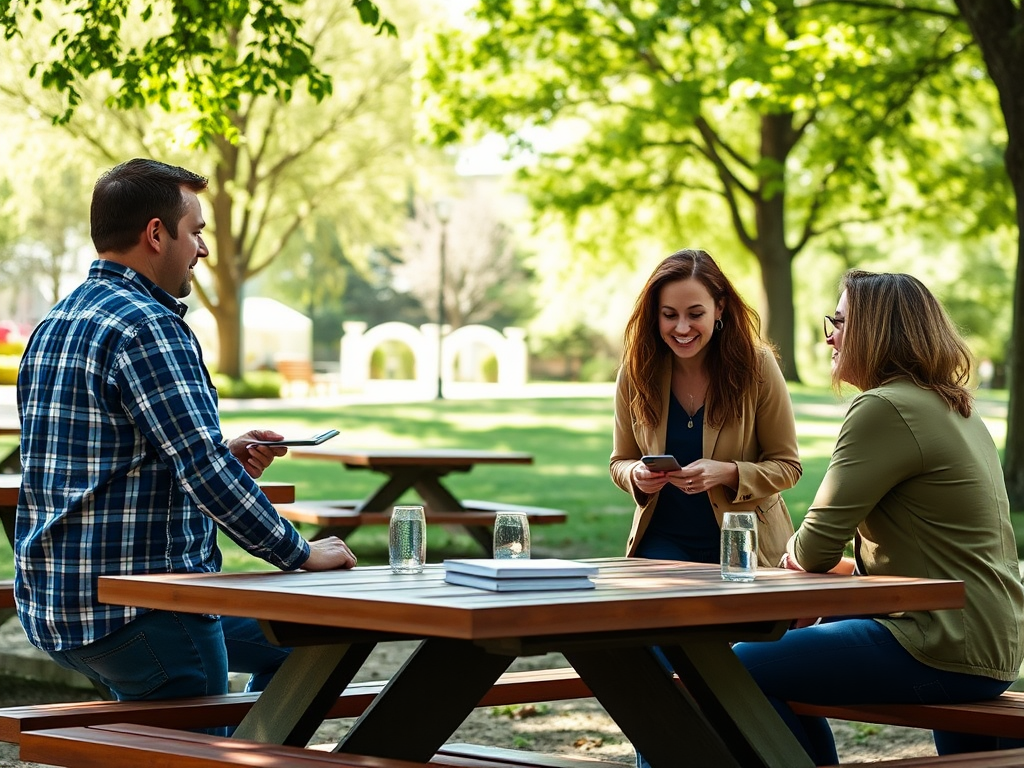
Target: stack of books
x,y
520,575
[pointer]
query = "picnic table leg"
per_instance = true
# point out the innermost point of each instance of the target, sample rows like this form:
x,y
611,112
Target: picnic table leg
x,y
732,702
664,723
301,693
424,703
431,490
399,481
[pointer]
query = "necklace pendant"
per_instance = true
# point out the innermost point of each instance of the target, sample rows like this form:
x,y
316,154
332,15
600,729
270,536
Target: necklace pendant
x,y
689,424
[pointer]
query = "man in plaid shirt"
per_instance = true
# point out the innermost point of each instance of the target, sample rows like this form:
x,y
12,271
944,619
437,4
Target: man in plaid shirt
x,y
124,468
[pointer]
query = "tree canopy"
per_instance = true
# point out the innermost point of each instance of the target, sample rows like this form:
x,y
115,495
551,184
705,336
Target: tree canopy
x,y
781,123
207,55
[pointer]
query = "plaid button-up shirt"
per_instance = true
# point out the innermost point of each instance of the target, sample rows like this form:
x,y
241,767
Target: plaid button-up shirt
x,y
124,468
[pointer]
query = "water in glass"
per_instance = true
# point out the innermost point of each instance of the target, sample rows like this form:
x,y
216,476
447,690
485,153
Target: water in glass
x,y
407,545
511,536
739,546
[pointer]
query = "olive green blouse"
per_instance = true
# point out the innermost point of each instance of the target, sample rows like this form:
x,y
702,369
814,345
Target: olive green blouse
x,y
924,489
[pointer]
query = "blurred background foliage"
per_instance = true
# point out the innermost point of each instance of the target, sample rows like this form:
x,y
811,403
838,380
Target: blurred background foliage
x,y
578,143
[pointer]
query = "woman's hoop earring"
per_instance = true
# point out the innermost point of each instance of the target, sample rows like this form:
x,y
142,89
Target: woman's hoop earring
x,y
719,325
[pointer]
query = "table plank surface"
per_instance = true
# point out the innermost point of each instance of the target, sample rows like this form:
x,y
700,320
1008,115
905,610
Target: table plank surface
x,y
631,594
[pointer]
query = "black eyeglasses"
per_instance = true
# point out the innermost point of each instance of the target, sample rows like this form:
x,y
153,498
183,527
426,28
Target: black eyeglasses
x,y
831,324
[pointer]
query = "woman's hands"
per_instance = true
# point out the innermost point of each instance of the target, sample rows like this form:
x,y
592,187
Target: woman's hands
x,y
697,477
647,481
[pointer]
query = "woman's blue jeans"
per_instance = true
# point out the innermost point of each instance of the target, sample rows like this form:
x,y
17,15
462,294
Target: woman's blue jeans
x,y
858,661
163,654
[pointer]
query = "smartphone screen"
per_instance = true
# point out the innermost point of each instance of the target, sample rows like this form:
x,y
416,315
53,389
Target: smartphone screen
x,y
661,463
314,440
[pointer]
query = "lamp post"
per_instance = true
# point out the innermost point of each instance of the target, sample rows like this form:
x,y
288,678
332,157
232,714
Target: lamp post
x,y
443,209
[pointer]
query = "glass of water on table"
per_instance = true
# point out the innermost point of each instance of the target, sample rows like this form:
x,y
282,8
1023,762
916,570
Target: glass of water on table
x,y
739,546
511,536
407,540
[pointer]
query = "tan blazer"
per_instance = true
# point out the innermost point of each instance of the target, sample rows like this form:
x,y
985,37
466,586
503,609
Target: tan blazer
x,y
762,444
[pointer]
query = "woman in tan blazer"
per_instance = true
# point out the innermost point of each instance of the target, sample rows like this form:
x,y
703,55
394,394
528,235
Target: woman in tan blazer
x,y
697,383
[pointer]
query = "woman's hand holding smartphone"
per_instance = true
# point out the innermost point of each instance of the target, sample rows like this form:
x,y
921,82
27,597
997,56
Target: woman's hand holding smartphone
x,y
661,463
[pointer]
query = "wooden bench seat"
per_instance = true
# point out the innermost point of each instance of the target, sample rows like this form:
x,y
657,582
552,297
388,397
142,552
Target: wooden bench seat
x,y
229,709
1008,758
124,745
1002,716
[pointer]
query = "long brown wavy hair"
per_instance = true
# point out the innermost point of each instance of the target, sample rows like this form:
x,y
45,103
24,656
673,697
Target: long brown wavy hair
x,y
896,329
731,361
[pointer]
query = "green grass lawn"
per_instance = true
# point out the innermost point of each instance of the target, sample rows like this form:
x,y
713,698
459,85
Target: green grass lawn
x,y
570,439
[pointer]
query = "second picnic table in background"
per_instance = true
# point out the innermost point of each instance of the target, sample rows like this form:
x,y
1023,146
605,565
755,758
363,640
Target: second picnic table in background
x,y
417,469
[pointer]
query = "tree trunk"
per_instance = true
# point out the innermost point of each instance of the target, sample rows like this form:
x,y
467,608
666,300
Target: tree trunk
x,y
1013,460
228,314
229,269
774,256
998,27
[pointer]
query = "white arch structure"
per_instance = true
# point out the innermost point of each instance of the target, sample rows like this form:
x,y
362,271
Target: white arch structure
x,y
358,344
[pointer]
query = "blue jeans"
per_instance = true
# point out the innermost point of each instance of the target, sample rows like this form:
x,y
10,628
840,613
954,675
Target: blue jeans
x,y
858,661
163,655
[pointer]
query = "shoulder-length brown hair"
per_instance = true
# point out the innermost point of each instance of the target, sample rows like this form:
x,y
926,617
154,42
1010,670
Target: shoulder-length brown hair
x,y
731,361
896,329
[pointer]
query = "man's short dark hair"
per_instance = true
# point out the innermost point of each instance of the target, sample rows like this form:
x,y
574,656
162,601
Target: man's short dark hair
x,y
128,196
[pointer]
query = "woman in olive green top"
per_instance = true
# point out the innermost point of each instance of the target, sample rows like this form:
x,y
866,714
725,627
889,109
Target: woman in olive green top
x,y
915,483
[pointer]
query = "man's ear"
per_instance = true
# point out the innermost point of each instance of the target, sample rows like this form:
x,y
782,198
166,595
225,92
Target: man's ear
x,y
154,231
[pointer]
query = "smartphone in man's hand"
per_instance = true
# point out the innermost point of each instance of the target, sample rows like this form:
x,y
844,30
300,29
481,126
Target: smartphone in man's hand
x,y
314,440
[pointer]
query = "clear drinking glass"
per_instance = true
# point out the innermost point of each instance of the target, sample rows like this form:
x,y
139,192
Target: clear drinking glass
x,y
407,543
739,546
511,536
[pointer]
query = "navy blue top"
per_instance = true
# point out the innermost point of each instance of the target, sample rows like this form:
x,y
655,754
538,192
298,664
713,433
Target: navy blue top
x,y
683,526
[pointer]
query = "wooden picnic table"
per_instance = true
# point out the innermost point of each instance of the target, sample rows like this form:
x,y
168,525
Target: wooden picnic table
x,y
469,637
416,469
276,493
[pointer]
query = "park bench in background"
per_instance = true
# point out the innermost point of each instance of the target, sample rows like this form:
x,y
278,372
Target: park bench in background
x,y
301,372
